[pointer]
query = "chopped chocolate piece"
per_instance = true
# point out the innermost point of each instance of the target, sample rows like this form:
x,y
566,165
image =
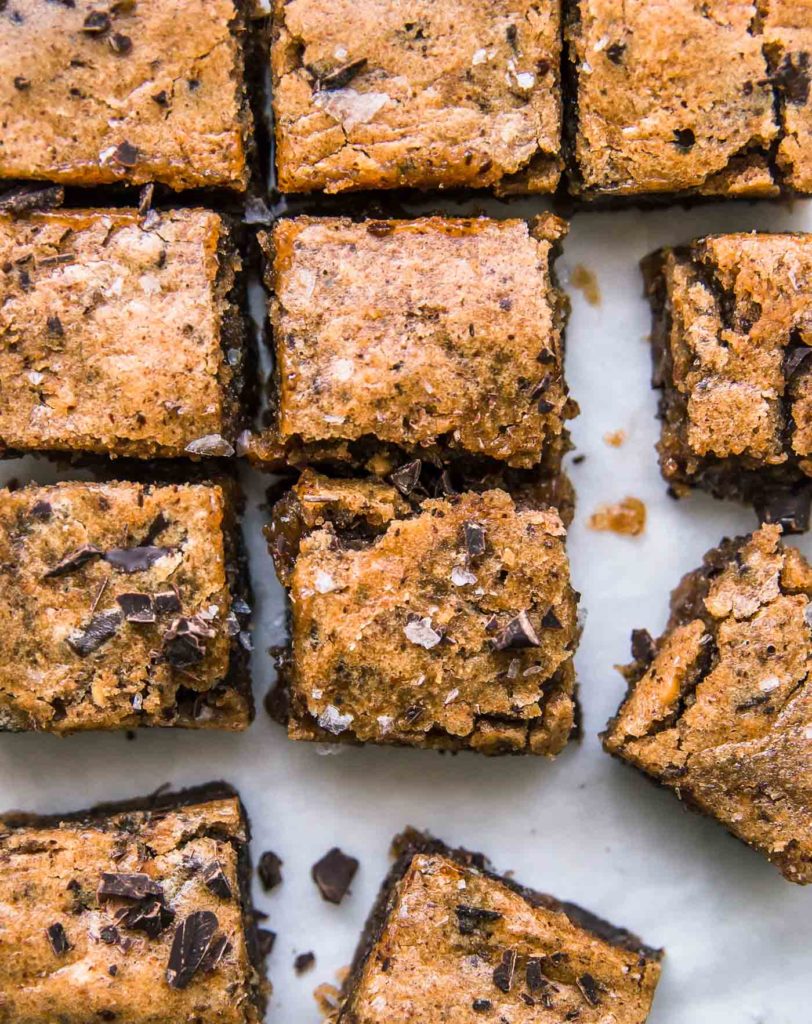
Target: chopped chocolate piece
x,y
193,938
550,620
721,713
304,962
407,477
266,939
789,508
333,874
474,539
429,970
119,43
643,647
132,560
95,634
110,935
269,870
219,948
150,915
378,94
58,939
96,23
469,919
184,643
136,607
167,602
132,886
517,635
73,561
216,880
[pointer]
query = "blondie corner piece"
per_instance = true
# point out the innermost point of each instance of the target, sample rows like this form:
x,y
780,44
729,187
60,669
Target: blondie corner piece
x,y
719,708
138,912
446,622
449,940
652,115
153,90
371,94
436,338
123,605
119,334
730,340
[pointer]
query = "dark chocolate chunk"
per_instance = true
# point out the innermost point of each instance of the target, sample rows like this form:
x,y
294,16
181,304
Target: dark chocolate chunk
x,y
544,406
138,559
120,44
167,602
503,973
57,938
150,915
474,539
112,970
22,84
643,646
517,635
471,919
684,139
110,935
341,76
160,522
265,939
269,870
550,620
184,643
41,510
126,154
73,561
55,327
789,508
216,881
534,975
795,359
131,886
615,52
98,631
31,197
481,1005
333,874
590,989
407,477
511,34
193,937
136,607
303,962
96,23
161,98
219,947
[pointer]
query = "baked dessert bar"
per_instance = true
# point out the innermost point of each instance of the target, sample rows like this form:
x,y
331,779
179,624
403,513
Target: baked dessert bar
x,y
123,605
371,94
118,333
153,90
137,912
719,708
450,940
732,319
431,622
432,338
708,99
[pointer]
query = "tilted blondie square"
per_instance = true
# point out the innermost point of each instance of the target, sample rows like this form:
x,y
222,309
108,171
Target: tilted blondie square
x,y
93,93
119,334
138,912
123,605
446,622
376,94
435,338
719,709
450,940
732,328
684,98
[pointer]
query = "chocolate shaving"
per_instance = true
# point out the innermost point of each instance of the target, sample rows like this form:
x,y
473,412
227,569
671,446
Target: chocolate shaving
x,y
150,915
304,962
534,975
167,602
136,607
216,881
193,937
269,870
407,477
338,77
137,559
517,635
474,539
97,632
73,561
131,886
333,874
471,919
503,974
57,938
590,989
184,643
31,197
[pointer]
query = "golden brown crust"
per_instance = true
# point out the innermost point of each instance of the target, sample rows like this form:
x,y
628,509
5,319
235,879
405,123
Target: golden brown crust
x,y
655,114
51,875
401,625
426,94
457,942
434,335
722,712
112,330
65,551
151,91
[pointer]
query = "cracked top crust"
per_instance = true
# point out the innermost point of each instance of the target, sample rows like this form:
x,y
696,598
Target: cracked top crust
x,y
457,943
420,93
452,624
66,954
75,654
733,326
111,332
720,708
93,93
431,334
673,97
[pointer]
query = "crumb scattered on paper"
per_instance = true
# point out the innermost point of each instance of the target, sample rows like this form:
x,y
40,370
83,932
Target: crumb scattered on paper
x,y
627,517
587,283
614,438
